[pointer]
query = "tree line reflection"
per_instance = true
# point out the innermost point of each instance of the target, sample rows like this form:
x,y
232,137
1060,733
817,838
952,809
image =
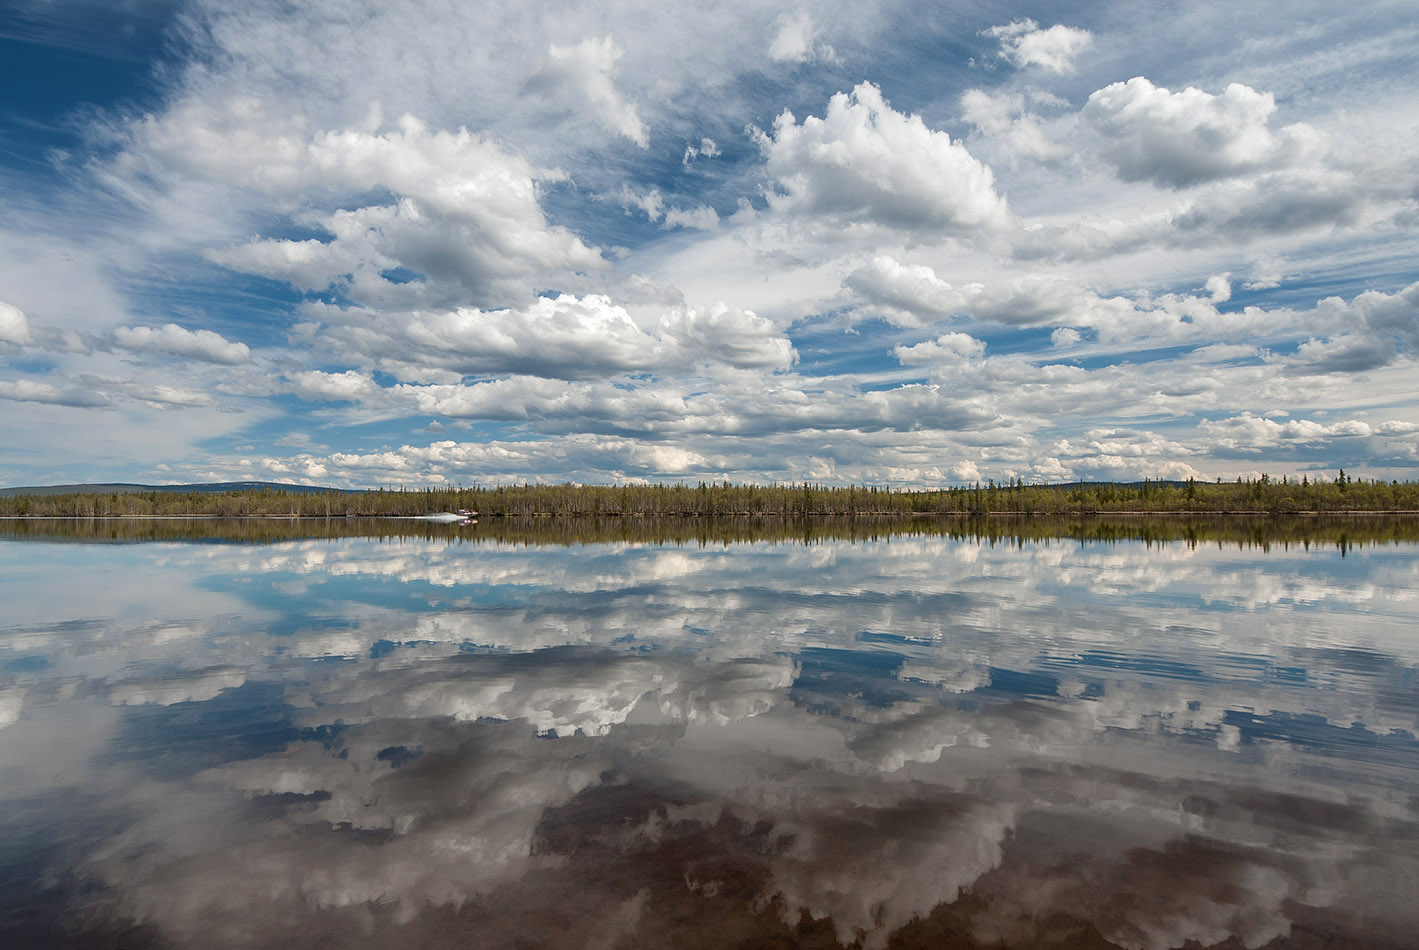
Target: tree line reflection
x,y
1340,531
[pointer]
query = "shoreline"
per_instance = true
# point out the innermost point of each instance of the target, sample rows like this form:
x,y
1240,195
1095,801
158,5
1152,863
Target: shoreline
x,y
739,515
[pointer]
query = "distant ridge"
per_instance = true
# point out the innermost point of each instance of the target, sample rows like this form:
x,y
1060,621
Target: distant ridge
x,y
130,488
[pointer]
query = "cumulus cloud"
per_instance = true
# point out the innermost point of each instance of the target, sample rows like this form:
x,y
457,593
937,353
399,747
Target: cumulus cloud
x,y
308,265
173,340
1149,133
1349,353
1054,48
462,214
906,294
29,390
1006,119
969,391
1249,432
1240,213
1363,334
866,163
1394,314
14,325
1219,288
317,384
622,432
587,72
562,337
728,335
433,208
912,295
949,348
988,407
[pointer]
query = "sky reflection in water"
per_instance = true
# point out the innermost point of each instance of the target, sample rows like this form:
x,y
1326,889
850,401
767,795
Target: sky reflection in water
x,y
907,741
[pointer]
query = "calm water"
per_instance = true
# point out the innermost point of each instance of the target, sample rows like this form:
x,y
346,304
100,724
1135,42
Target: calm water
x,y
919,739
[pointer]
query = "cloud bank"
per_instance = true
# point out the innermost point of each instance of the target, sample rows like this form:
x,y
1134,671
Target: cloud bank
x,y
762,243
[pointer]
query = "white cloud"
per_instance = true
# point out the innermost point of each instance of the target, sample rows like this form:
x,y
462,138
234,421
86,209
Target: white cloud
x,y
1177,140
462,213
949,348
1266,273
308,265
1394,314
700,217
795,40
161,396
569,457
865,163
912,295
173,340
587,72
1004,118
727,335
14,325
1288,205
707,148
349,385
1055,48
653,205
29,390
1347,353
1219,288
1041,301
434,204
1249,432
562,337
650,203
1357,336
905,294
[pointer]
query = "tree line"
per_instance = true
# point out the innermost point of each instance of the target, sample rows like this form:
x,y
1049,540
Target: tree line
x,y
705,499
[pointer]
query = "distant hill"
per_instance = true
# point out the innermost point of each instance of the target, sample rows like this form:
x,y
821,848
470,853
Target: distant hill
x,y
129,488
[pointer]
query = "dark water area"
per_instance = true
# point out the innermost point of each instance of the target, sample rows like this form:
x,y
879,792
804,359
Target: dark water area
x,y
1133,733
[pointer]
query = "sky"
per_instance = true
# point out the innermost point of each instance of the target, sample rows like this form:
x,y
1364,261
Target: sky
x,y
910,244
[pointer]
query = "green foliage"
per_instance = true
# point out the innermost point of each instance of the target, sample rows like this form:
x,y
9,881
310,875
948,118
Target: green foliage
x,y
1263,495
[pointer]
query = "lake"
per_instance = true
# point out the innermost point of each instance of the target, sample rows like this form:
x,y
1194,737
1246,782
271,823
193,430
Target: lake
x,y
921,734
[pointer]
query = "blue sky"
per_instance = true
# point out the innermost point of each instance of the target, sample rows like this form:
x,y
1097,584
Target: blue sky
x,y
363,244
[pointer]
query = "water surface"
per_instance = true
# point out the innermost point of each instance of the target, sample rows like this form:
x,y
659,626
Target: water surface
x,y
816,735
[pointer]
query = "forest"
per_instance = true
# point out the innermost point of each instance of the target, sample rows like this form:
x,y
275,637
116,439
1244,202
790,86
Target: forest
x,y
1262,495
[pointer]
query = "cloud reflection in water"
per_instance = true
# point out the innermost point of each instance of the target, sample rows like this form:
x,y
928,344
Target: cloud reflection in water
x,y
921,739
